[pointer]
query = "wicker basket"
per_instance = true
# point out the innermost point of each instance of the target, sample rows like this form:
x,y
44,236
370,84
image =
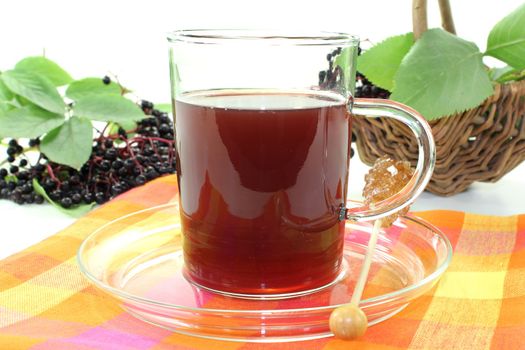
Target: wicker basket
x,y
480,144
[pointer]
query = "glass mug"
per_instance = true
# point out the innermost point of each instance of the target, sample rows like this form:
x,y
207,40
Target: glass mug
x,y
263,149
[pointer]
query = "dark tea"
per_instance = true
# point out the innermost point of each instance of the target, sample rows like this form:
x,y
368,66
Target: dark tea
x,y
262,178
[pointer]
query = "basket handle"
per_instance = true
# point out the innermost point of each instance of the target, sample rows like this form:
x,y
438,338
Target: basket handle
x,y
419,17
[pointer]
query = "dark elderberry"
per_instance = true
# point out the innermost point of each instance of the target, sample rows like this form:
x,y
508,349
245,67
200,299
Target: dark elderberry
x,y
148,151
65,186
164,119
27,188
140,180
34,142
13,169
28,198
106,80
365,88
16,197
122,172
146,105
153,133
4,193
76,198
117,164
66,202
165,170
111,154
89,197
3,173
164,128
116,189
11,151
129,163
100,198
55,195
39,168
122,133
49,185
39,199
105,165
74,179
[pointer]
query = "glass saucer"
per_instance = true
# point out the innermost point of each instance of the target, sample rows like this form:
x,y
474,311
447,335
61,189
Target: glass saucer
x,y
138,260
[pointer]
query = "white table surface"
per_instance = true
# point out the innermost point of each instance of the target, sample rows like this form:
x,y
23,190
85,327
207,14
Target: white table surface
x,y
23,226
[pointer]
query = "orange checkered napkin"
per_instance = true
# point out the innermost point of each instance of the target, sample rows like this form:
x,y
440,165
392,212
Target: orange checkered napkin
x,y
45,303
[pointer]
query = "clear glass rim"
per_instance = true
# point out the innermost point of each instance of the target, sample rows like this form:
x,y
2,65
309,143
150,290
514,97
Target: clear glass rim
x,y
263,36
440,269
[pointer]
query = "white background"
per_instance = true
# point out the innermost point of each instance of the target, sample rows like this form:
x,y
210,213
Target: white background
x,y
127,38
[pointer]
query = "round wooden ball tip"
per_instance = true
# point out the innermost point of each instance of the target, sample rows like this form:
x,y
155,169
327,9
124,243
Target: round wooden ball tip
x,y
348,322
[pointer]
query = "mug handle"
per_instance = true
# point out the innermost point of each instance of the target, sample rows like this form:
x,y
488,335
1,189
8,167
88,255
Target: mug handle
x,y
370,107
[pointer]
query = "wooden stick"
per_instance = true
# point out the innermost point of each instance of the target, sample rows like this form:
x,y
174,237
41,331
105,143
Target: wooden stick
x,y
365,268
447,22
419,17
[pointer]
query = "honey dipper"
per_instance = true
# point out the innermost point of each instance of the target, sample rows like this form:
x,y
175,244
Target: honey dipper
x,y
385,178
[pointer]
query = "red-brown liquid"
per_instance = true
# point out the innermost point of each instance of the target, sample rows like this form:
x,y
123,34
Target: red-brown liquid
x,y
262,178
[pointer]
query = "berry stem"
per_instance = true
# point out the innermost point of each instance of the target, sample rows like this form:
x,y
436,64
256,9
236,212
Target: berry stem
x,y
152,138
101,134
117,136
132,154
52,174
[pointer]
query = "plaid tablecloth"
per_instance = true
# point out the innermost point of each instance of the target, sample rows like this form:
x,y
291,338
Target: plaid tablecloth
x,y
45,303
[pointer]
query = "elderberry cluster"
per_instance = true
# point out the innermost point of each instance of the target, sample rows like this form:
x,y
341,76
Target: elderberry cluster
x,y
119,161
332,77
16,181
365,88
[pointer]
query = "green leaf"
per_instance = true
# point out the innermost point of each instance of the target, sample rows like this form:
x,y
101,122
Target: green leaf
x,y
35,88
91,86
512,76
108,108
46,68
128,125
5,93
163,107
442,74
506,74
11,178
381,62
69,144
497,73
4,108
76,211
114,127
28,121
507,39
